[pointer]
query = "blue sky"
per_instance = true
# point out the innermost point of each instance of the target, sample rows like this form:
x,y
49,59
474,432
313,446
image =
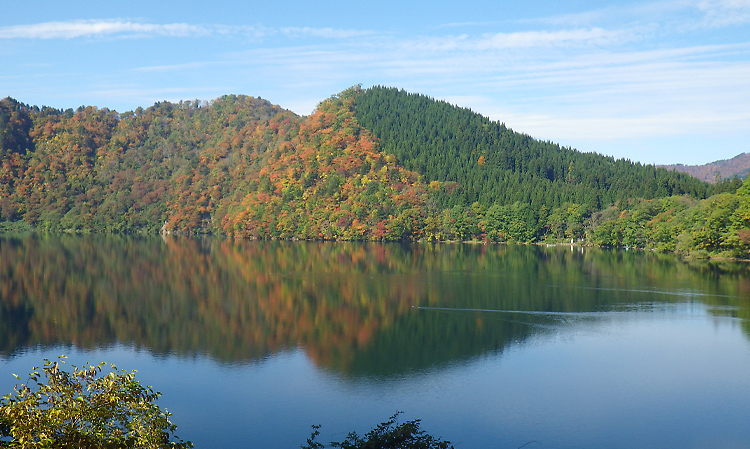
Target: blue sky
x,y
655,81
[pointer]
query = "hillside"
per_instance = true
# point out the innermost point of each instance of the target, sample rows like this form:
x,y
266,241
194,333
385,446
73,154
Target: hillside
x,y
97,170
724,169
492,163
238,165
244,167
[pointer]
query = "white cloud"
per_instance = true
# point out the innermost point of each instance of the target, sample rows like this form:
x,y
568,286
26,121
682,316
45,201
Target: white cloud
x,y
594,128
581,37
722,13
124,28
589,94
622,72
593,36
96,28
666,15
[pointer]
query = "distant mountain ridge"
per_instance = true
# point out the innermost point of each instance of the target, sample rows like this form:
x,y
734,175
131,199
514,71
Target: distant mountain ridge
x,y
726,168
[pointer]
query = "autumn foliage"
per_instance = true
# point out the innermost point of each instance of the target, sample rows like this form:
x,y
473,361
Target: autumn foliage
x,y
330,182
242,167
238,166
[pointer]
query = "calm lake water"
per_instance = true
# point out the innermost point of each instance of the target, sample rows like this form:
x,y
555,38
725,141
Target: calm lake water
x,y
491,346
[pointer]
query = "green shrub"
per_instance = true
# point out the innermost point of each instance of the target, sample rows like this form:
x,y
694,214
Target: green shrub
x,y
84,408
387,435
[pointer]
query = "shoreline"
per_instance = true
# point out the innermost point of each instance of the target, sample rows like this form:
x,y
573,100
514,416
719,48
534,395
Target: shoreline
x,y
579,244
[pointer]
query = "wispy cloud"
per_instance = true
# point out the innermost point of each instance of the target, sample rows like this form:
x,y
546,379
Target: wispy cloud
x,y
592,36
722,13
632,71
597,133
591,93
126,28
580,37
98,28
667,15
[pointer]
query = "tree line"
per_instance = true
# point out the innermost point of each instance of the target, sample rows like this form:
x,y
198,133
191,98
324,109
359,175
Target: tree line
x,y
376,164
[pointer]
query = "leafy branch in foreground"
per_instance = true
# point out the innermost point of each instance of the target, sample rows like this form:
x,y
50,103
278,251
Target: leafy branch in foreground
x,y
387,435
84,408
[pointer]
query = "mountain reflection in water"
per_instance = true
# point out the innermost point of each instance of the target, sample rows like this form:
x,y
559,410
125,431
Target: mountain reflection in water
x,y
359,309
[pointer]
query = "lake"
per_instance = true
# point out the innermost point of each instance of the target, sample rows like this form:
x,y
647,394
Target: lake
x,y
491,346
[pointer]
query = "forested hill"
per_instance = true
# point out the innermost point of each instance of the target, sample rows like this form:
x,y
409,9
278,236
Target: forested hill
x,y
96,170
238,165
493,164
244,167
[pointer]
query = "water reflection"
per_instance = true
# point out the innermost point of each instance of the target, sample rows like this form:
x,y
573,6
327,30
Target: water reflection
x,y
358,309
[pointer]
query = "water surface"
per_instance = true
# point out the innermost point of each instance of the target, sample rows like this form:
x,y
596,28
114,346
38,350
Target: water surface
x,y
491,346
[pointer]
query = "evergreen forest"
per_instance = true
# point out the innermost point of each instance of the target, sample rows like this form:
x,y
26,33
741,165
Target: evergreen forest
x,y
376,164
494,164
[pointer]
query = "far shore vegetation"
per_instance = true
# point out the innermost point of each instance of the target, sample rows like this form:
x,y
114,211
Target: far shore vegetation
x,y
367,165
